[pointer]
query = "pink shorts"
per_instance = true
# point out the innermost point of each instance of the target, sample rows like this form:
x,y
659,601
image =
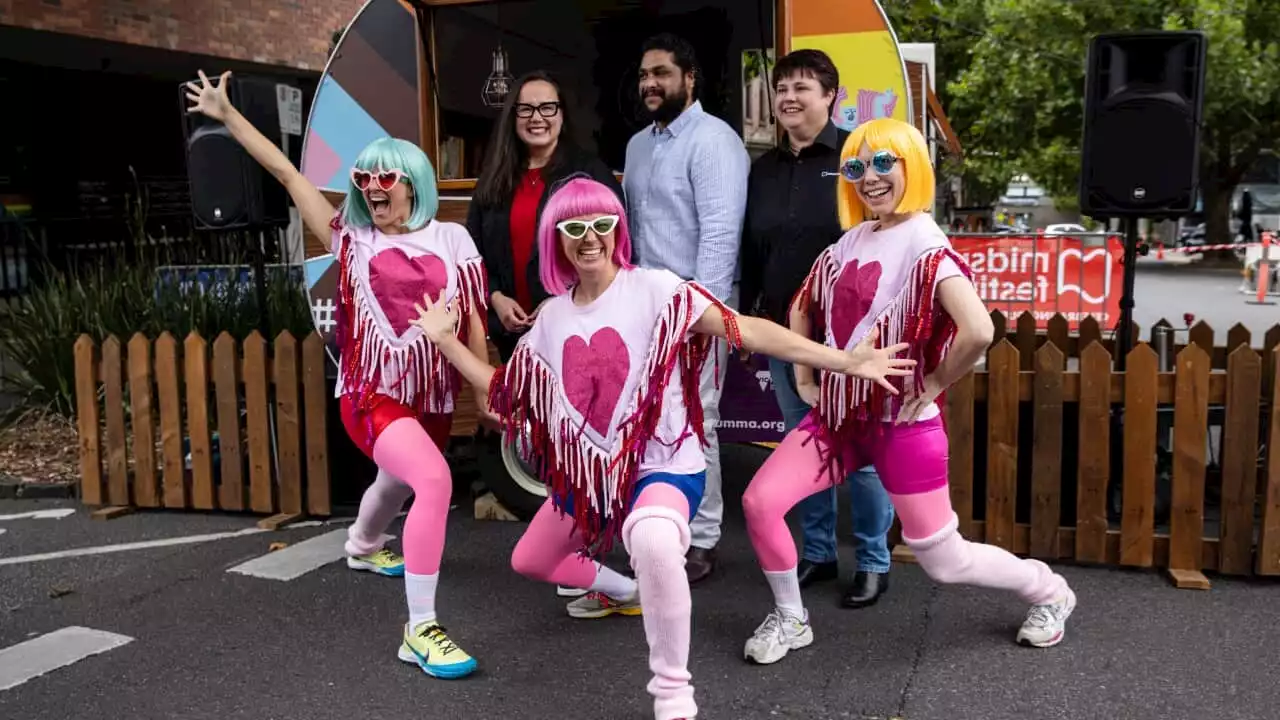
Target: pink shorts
x,y
364,427
910,459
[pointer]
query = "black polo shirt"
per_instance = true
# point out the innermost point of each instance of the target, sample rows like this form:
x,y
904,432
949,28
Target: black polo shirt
x,y
791,218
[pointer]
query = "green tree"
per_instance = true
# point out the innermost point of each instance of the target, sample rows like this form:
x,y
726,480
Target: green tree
x,y
1242,96
335,38
953,27
1019,101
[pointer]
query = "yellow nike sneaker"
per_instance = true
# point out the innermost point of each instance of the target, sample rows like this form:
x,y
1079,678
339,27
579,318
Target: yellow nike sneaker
x,y
428,646
383,562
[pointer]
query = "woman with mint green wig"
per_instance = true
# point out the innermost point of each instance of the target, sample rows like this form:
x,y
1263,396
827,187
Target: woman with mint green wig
x,y
397,391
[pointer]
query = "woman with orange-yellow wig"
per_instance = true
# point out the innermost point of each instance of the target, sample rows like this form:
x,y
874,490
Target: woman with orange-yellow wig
x,y
893,273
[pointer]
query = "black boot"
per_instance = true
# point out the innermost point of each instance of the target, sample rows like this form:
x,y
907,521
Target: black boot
x,y
699,564
810,572
866,589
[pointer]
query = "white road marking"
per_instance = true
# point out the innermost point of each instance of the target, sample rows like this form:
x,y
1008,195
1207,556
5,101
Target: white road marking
x,y
53,514
60,648
304,524
165,542
296,560
3,531
125,547
329,522
319,523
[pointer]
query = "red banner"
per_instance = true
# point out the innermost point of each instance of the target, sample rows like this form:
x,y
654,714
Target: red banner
x,y
1076,275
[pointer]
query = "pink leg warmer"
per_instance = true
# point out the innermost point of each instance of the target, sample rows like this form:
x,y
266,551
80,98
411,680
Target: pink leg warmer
x,y
405,451
548,551
792,473
378,507
656,534
929,529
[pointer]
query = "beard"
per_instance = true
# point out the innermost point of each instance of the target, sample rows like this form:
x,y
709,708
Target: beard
x,y
670,107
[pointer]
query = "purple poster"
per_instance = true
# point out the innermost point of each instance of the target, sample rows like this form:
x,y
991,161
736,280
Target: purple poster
x,y
748,410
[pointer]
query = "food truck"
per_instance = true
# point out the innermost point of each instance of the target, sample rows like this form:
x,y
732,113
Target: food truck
x,y
436,72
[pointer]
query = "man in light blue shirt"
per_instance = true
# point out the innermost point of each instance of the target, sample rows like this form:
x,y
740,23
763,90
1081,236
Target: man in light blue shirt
x,y
686,185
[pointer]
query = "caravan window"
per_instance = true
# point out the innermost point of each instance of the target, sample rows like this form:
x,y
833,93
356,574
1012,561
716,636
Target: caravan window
x,y
594,50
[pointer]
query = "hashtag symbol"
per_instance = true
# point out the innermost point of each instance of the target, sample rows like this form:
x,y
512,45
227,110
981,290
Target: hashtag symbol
x,y
323,312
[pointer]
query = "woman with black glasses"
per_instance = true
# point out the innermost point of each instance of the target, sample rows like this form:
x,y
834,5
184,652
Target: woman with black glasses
x,y
533,148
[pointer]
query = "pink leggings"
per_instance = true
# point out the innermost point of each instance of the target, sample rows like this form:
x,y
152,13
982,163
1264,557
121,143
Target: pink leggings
x,y
912,463
656,535
409,461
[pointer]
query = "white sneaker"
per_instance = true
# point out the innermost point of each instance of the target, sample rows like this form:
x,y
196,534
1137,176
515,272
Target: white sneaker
x,y
779,634
570,592
1046,625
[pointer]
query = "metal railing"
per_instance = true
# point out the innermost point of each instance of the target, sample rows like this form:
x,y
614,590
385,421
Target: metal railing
x,y
31,248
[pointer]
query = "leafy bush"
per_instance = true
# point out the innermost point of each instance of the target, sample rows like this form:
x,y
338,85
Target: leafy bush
x,y
39,331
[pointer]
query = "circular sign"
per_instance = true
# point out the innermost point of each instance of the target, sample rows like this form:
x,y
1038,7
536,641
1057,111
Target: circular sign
x,y
369,90
322,293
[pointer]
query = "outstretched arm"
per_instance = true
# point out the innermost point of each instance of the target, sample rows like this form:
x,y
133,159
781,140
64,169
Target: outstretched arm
x,y
439,320
769,338
211,99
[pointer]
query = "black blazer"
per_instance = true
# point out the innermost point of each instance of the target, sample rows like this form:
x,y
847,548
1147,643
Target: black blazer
x,y
490,227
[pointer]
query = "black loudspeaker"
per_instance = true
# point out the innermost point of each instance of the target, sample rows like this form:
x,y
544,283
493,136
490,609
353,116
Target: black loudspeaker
x,y
1144,95
229,189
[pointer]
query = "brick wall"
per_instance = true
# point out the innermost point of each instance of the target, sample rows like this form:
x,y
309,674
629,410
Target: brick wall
x,y
295,33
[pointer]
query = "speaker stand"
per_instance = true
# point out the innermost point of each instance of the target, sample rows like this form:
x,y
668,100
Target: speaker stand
x,y
260,283
1124,338
264,326
1123,344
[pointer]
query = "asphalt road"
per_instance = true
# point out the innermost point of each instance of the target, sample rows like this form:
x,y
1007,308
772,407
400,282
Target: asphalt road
x,y
1212,295
207,643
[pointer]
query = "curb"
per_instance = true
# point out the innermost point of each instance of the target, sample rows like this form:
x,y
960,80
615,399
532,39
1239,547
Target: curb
x,y
14,488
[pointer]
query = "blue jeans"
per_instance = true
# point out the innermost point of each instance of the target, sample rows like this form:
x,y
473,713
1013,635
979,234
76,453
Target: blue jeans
x,y
870,508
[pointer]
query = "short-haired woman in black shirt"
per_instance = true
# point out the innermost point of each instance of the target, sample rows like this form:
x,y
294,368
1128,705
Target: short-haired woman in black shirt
x,y
791,218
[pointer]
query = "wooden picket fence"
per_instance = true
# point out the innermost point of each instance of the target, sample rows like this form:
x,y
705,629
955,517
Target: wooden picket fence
x,y
1039,463
1024,336
1032,467
278,387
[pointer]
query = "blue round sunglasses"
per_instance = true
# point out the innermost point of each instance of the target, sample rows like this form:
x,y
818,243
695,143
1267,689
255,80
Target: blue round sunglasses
x,y
883,161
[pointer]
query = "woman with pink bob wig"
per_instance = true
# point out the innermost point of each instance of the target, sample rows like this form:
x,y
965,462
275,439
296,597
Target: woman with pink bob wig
x,y
604,390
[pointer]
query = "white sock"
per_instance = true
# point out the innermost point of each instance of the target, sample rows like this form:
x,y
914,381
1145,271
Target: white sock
x,y
614,584
786,592
420,591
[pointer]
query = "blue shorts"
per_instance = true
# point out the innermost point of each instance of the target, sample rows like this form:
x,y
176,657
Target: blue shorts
x,y
692,486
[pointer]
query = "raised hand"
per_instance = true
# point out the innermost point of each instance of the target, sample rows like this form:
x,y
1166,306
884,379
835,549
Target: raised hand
x,y
209,98
878,364
438,320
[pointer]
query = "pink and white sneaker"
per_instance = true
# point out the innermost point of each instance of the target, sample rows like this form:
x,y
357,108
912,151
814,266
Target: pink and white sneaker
x,y
1046,625
596,605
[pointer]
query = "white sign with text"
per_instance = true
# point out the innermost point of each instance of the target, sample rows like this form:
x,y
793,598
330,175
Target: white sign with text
x,y
289,104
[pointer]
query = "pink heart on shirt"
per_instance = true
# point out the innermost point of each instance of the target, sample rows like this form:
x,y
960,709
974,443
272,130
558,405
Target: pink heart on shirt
x,y
399,282
854,292
594,374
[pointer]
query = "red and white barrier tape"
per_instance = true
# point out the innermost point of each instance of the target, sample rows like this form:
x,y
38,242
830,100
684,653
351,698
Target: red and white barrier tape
x,y
1196,249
